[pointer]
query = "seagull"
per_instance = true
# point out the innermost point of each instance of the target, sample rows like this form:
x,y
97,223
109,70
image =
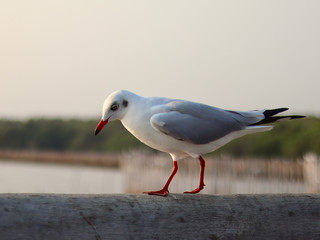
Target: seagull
x,y
183,128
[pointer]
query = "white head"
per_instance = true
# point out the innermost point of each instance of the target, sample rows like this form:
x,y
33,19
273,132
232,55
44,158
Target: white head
x,y
114,108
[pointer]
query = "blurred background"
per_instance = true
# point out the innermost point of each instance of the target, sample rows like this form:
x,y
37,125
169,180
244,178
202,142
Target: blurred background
x,y
60,59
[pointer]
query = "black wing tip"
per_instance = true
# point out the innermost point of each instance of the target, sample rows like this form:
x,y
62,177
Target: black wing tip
x,y
271,112
296,116
270,118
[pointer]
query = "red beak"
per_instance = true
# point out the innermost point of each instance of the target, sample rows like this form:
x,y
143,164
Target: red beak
x,y
100,125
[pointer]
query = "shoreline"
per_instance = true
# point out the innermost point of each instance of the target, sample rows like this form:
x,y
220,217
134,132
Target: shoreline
x,y
110,160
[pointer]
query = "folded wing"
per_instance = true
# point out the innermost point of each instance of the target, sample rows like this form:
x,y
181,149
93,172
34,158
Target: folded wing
x,y
200,124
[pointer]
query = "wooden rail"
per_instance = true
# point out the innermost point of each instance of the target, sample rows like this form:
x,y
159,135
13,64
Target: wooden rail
x,y
178,216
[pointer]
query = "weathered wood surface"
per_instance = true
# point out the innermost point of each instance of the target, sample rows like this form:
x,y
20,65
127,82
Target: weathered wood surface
x,y
177,216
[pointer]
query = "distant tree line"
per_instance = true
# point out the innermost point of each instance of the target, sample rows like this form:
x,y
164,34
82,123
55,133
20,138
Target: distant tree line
x,y
64,135
287,139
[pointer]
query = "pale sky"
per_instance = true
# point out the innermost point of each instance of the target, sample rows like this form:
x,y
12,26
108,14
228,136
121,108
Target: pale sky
x,y
62,58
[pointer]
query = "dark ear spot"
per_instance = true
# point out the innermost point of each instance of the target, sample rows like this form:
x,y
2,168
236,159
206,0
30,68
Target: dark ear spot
x,y
125,103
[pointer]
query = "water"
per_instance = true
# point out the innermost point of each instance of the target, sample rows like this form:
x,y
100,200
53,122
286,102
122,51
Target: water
x,y
20,177
142,172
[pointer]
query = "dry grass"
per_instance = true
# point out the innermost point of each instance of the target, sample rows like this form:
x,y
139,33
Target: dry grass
x,y
85,158
145,171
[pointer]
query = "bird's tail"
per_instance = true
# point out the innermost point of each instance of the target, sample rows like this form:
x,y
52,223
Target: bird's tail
x,y
270,118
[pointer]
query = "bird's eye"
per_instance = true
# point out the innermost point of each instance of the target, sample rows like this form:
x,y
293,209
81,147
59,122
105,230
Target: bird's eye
x,y
114,107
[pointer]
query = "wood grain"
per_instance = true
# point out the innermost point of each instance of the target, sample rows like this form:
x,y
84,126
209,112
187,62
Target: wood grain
x,y
178,216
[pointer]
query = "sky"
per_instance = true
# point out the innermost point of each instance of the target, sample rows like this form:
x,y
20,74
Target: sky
x,y
62,58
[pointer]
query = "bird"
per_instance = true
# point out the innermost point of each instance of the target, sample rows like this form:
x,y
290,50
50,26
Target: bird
x,y
183,128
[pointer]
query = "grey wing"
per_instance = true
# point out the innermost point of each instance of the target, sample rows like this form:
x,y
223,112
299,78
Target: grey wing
x,y
197,123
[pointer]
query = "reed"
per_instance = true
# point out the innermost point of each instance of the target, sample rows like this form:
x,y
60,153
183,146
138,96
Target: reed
x,y
148,171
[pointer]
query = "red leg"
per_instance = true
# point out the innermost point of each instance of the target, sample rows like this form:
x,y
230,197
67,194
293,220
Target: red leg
x,y
164,191
201,183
